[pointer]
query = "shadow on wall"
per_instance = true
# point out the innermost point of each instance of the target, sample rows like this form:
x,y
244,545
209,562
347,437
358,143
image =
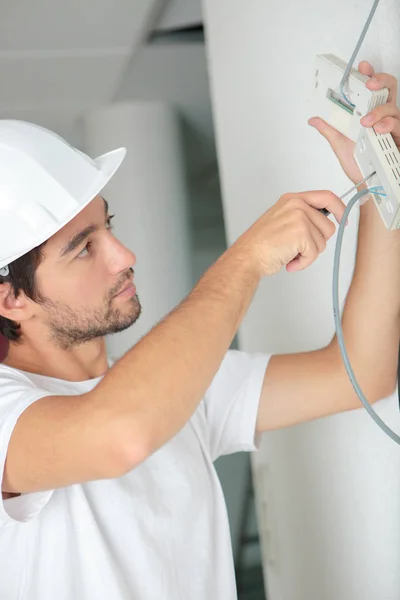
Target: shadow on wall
x,y
3,348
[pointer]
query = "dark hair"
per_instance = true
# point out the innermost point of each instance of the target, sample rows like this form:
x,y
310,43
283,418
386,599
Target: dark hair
x,y
22,279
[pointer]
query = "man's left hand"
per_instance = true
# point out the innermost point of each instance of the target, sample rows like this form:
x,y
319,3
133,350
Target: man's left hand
x,y
384,119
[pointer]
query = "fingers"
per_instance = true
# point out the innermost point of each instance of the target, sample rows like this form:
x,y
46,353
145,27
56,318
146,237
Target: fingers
x,y
389,125
320,230
314,245
379,113
336,140
323,226
315,229
325,199
384,119
381,80
305,259
366,68
333,136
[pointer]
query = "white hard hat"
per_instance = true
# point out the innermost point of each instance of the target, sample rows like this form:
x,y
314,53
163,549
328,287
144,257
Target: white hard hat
x,y
44,183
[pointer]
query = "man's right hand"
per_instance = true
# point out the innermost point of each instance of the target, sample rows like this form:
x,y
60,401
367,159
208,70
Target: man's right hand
x,y
291,234
157,385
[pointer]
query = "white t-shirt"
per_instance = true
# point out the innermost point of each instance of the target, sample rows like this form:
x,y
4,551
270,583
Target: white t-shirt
x,y
158,533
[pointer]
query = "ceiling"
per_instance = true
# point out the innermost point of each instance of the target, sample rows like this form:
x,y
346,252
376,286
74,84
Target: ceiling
x,y
58,59
179,13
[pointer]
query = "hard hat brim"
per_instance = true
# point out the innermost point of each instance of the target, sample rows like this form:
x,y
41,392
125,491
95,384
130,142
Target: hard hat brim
x,y
106,164
109,163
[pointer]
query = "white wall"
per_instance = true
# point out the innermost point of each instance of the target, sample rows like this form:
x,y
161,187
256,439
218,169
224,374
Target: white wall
x,y
177,75
149,197
328,491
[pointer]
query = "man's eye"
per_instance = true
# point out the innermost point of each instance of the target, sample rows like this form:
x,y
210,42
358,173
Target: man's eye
x,y
109,224
85,251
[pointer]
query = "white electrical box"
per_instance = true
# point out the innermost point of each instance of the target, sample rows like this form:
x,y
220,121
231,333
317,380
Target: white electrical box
x,y
378,152
333,108
374,152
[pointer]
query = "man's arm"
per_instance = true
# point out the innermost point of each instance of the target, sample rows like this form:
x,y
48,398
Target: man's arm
x,y
309,385
305,386
152,391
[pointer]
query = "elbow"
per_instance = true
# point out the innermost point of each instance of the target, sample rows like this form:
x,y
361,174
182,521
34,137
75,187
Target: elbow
x,y
376,383
127,448
379,389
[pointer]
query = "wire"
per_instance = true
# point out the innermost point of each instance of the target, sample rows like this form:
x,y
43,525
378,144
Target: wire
x,y
337,318
358,185
377,190
326,212
355,52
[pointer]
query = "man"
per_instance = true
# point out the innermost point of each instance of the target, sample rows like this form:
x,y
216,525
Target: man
x,y
108,484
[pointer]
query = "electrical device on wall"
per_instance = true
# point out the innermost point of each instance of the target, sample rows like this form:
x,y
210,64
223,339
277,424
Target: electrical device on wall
x,y
344,113
374,152
345,99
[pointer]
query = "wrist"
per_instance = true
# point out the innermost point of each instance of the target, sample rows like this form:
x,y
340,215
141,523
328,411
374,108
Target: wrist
x,y
244,262
364,200
243,259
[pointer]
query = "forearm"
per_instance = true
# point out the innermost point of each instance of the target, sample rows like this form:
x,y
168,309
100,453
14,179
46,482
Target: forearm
x,y
371,316
154,389
142,401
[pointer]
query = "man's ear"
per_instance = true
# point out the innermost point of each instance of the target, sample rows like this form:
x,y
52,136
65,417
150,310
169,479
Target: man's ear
x,y
15,308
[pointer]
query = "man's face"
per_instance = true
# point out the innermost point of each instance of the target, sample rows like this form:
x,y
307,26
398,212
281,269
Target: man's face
x,y
83,270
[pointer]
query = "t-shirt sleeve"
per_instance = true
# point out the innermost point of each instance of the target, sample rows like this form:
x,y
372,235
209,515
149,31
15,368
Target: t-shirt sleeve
x,y
231,403
16,394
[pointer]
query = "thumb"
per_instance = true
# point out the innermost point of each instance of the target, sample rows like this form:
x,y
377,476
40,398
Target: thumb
x,y
332,135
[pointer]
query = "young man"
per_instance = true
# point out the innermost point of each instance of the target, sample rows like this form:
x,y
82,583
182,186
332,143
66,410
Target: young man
x,y
108,485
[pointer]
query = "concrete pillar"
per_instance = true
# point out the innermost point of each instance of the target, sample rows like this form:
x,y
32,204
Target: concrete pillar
x,y
148,195
328,492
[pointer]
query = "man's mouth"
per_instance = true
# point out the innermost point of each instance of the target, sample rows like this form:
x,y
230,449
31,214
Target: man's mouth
x,y
128,289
